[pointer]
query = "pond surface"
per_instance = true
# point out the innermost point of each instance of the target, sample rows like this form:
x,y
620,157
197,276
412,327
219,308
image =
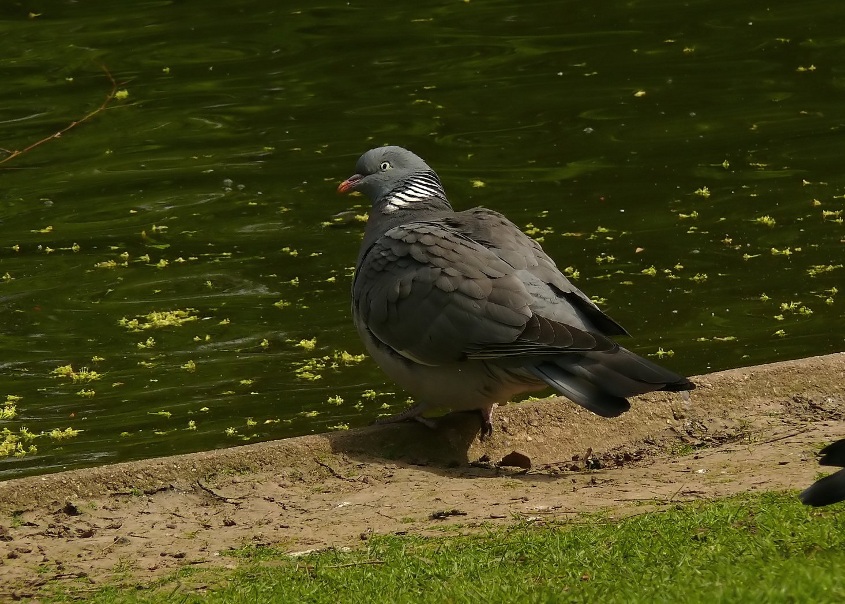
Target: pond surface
x,y
174,270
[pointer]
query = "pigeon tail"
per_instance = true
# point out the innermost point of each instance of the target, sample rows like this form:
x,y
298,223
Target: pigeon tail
x,y
602,381
622,373
581,391
825,491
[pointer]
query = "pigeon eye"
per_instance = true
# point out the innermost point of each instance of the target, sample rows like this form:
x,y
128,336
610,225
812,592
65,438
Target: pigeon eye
x,y
385,165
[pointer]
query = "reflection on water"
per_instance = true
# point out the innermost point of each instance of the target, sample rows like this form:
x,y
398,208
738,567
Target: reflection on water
x,y
683,159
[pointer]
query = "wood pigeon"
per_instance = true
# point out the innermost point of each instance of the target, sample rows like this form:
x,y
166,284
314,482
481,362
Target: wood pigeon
x,y
464,310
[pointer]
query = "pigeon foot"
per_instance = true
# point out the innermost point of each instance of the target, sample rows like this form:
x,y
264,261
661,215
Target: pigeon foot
x,y
486,421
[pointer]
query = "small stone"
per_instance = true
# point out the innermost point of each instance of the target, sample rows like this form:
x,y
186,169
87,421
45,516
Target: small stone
x,y
70,509
516,459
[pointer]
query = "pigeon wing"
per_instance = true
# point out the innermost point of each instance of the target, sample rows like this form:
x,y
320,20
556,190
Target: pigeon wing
x,y
555,297
435,295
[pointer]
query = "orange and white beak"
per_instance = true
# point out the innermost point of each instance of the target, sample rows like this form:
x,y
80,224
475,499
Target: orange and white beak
x,y
349,184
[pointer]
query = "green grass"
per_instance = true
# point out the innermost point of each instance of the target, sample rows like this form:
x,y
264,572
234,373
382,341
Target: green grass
x,y
764,548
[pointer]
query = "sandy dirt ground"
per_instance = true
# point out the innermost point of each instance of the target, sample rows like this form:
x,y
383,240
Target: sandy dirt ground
x,y
743,430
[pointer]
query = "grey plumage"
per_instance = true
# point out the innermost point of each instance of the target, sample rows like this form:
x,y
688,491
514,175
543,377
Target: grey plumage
x,y
463,310
830,489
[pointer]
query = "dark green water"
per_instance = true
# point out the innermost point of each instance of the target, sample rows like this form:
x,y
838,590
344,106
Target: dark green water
x,y
631,135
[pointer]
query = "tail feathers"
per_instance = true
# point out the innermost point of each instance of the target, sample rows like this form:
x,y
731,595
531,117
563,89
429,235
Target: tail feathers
x,y
622,373
829,489
602,381
581,391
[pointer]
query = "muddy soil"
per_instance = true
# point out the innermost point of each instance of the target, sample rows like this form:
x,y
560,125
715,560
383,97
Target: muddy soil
x,y
750,429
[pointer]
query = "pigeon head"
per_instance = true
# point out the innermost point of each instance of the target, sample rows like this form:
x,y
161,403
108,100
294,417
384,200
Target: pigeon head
x,y
393,176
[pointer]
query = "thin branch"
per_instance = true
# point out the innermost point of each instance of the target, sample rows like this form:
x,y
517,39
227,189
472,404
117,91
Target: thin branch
x,y
783,437
100,109
311,569
675,494
216,495
334,472
350,564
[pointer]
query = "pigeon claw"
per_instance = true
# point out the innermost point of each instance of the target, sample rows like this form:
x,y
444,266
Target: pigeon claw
x,y
486,422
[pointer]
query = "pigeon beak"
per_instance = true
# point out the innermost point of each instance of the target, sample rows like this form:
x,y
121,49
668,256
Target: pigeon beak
x,y
349,184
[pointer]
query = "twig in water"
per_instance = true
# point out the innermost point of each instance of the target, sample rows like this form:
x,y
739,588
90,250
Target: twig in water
x,y
55,135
